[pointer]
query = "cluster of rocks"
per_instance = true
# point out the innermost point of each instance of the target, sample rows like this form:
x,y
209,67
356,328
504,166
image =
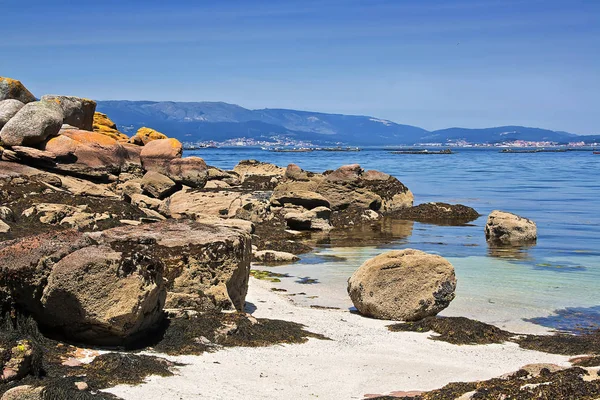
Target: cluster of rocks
x,y
101,233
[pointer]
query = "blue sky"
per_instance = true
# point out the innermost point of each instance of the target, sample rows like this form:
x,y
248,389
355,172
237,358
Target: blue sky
x,y
430,63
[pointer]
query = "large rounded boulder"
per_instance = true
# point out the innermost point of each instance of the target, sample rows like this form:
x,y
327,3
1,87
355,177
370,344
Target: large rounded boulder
x,y
404,285
33,123
157,154
507,228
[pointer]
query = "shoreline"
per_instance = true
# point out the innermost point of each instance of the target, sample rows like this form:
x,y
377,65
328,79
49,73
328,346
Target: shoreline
x,y
363,358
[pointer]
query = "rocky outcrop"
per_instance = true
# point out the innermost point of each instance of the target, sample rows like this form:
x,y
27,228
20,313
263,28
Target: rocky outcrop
x,y
24,392
145,135
348,187
403,285
32,124
198,259
274,257
105,126
77,112
8,109
438,213
507,228
14,89
192,203
257,175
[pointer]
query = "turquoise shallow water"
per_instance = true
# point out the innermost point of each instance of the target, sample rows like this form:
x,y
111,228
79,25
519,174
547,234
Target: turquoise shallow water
x,y
554,284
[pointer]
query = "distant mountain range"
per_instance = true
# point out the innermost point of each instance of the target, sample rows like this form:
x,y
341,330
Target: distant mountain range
x,y
204,121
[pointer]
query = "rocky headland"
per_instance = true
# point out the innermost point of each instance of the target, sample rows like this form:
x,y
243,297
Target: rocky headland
x,y
120,243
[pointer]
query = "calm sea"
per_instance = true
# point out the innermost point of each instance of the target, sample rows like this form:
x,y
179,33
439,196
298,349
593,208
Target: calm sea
x,y
554,284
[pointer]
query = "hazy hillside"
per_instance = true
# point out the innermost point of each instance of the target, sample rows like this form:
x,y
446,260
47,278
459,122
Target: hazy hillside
x,y
219,121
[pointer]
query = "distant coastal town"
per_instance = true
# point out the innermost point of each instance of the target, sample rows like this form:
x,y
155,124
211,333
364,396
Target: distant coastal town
x,y
277,142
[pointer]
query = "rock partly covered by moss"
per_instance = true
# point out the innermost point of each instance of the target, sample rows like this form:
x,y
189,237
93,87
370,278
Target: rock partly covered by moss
x,y
14,89
405,285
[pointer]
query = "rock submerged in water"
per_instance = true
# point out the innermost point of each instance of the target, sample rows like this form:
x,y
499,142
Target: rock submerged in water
x,y
507,228
403,285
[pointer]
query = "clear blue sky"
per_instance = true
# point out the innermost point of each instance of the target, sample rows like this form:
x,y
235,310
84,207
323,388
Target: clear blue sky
x,y
430,63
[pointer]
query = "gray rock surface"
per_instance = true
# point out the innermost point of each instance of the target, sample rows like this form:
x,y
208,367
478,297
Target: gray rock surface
x,y
8,109
33,124
507,228
77,111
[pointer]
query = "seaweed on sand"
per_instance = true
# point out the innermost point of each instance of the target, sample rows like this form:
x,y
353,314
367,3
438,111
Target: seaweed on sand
x,y
572,383
58,380
460,330
205,332
455,330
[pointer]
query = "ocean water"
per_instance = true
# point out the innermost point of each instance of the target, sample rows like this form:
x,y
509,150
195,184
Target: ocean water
x,y
554,284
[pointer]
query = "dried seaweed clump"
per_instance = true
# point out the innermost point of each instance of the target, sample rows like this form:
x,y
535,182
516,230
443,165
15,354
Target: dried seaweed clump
x,y
455,330
198,333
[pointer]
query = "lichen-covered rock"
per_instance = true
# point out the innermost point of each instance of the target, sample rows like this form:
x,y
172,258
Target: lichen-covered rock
x,y
507,228
403,285
32,124
158,185
145,135
77,112
199,260
14,89
91,149
105,126
157,154
8,109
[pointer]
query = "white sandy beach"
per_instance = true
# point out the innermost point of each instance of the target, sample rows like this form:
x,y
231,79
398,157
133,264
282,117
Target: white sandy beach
x,y
362,358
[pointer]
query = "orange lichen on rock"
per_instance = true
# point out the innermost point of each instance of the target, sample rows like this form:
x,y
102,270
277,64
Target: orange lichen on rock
x,y
14,89
88,137
146,135
105,126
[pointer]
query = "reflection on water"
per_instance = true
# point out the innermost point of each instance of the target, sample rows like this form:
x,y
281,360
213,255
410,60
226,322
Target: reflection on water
x,y
572,320
379,233
510,252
